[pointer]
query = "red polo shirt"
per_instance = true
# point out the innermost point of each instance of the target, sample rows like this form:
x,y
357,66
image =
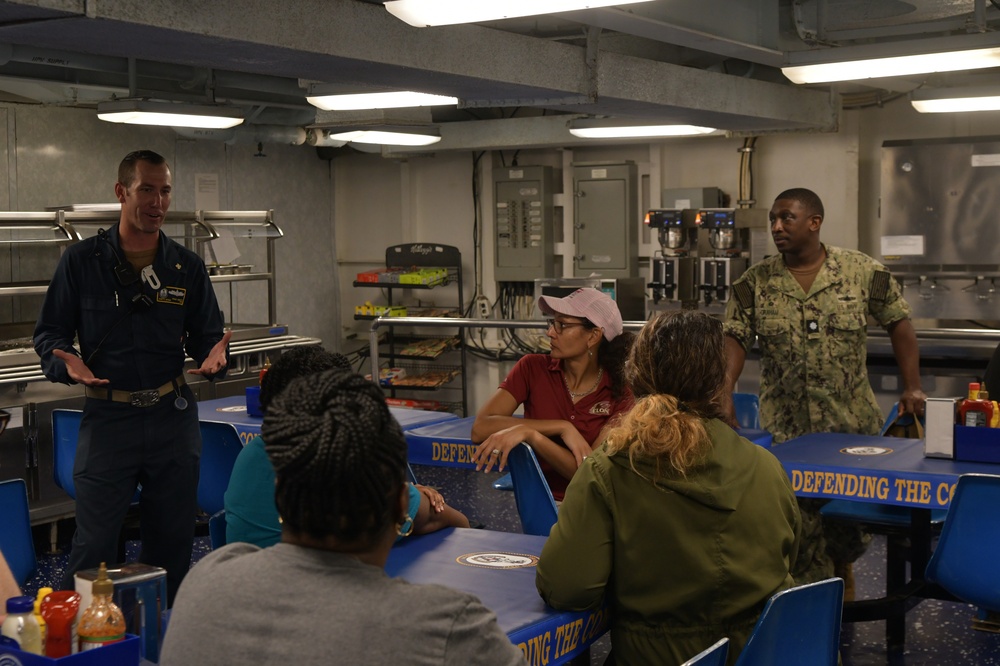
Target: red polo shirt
x,y
536,381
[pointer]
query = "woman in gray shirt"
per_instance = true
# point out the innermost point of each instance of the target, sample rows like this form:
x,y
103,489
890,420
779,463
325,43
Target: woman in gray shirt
x,y
322,596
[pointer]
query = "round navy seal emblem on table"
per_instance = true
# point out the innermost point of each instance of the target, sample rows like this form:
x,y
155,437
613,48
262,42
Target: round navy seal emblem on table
x,y
866,450
497,560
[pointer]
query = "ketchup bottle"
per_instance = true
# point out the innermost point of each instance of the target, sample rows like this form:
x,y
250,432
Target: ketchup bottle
x,y
59,609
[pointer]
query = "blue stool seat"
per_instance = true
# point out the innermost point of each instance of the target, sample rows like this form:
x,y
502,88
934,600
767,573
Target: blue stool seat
x,y
883,515
217,529
800,625
747,408
964,562
714,655
220,444
757,436
504,483
16,543
535,506
65,433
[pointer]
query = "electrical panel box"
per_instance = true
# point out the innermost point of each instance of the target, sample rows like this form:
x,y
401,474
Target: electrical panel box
x,y
628,293
692,197
523,208
606,219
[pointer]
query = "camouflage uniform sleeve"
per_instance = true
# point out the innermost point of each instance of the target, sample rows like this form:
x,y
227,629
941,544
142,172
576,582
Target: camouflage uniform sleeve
x,y
740,311
885,300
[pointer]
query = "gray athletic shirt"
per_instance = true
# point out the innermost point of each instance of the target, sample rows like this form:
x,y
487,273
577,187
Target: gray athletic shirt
x,y
292,605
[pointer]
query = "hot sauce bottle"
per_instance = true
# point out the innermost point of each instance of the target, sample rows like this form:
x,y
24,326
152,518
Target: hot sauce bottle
x,y
102,623
974,411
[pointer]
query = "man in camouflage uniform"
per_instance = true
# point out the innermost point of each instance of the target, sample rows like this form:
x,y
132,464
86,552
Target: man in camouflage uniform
x,y
808,309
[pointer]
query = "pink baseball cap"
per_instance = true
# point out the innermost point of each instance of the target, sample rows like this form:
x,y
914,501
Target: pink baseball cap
x,y
586,303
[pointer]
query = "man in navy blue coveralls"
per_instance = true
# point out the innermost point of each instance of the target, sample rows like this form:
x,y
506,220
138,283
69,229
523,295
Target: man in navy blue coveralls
x,y
137,301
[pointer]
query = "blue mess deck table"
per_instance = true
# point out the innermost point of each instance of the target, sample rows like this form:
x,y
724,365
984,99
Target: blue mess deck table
x,y
449,443
234,410
884,470
499,568
881,470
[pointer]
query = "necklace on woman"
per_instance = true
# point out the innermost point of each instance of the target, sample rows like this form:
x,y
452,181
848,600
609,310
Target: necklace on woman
x,y
600,373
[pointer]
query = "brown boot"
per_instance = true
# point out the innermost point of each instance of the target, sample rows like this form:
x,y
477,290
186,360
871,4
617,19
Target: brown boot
x,y
845,570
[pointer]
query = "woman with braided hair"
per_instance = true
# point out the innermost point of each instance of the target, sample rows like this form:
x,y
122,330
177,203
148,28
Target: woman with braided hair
x,y
251,514
687,527
322,596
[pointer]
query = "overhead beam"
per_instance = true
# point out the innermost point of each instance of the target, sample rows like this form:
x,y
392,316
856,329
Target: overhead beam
x,y
348,41
632,23
710,98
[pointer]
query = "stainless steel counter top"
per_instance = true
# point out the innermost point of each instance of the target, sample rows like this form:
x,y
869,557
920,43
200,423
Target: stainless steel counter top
x,y
958,344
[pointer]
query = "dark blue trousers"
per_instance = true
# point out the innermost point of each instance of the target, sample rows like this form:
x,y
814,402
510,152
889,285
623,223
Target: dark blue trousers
x,y
120,447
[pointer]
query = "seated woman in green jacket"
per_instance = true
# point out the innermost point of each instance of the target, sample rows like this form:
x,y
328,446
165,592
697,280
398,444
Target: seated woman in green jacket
x,y
683,526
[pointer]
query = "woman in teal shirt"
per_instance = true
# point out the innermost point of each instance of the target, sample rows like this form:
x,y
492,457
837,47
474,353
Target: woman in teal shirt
x,y
251,515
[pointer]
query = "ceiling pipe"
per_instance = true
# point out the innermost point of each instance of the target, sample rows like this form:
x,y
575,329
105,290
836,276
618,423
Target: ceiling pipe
x,y
292,136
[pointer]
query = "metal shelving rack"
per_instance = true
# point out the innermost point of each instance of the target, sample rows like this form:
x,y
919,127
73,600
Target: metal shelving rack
x,y
440,374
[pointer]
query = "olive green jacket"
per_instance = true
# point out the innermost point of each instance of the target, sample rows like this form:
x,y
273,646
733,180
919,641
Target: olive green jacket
x,y
683,562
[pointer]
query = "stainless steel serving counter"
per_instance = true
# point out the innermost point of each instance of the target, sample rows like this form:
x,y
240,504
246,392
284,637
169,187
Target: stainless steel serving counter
x,y
949,344
950,358
30,246
26,452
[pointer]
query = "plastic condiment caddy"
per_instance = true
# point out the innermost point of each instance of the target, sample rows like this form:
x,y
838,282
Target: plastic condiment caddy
x,y
123,653
977,444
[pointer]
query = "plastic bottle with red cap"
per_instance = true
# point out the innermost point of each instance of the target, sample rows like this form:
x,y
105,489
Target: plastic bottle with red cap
x,y
973,411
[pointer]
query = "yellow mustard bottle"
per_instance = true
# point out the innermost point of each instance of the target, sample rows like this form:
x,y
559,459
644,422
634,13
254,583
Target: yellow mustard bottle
x,y
42,593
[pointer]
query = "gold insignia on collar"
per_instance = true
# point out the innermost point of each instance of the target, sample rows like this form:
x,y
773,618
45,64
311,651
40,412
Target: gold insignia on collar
x,y
177,266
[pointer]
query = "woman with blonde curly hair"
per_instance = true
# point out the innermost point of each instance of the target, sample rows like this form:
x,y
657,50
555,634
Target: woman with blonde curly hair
x,y
685,527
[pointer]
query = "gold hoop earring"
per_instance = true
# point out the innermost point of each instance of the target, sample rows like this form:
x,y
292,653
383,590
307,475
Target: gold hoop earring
x,y
405,528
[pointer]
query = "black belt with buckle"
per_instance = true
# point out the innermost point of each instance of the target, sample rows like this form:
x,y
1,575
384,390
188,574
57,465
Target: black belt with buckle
x,y
146,398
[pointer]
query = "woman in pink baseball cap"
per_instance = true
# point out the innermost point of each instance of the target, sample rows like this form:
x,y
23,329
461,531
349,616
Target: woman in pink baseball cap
x,y
568,395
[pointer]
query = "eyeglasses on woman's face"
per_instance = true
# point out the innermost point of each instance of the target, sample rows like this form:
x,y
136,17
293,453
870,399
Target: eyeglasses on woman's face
x,y
559,326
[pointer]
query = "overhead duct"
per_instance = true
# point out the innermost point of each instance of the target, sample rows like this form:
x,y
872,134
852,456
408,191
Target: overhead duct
x,y
320,138
292,136
415,116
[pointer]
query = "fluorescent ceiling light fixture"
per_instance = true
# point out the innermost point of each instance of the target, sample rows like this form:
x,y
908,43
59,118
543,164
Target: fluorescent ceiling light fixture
x,y
636,131
875,68
385,138
956,100
168,114
426,13
399,99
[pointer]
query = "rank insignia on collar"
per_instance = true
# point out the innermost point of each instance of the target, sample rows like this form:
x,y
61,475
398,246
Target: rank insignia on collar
x,y
177,266
812,325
